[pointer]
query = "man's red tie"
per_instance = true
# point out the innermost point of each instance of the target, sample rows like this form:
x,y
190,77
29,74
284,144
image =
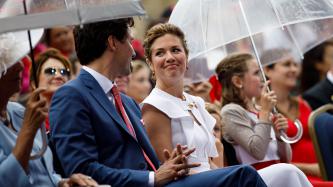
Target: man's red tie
x,y
121,110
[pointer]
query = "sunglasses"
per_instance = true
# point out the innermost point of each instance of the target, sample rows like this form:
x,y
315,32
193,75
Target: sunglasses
x,y
54,71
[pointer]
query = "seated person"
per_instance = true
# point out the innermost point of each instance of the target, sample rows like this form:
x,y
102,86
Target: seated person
x,y
139,85
254,134
53,70
61,38
19,135
283,76
321,93
172,116
97,131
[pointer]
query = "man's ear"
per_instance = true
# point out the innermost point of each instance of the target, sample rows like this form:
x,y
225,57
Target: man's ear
x,y
111,43
237,81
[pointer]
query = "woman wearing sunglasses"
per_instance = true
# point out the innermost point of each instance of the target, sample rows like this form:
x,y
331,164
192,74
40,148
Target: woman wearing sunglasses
x,y
52,71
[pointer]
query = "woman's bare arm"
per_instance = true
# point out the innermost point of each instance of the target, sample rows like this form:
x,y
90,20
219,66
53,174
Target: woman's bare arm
x,y
158,127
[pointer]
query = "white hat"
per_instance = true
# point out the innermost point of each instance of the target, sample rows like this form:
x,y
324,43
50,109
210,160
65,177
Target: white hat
x,y
15,45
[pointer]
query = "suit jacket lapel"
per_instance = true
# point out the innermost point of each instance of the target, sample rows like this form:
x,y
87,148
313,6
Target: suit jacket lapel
x,y
140,133
98,94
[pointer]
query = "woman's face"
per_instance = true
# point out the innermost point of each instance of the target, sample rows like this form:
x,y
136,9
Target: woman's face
x,y
168,59
252,81
62,38
139,86
53,75
284,73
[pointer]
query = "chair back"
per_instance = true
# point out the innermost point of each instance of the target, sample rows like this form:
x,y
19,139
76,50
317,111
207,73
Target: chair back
x,y
321,132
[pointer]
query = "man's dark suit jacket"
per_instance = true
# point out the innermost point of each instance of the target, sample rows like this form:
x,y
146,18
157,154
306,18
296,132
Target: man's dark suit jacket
x,y
320,94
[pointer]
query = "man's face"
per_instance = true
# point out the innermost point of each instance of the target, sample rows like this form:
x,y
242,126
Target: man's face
x,y
123,55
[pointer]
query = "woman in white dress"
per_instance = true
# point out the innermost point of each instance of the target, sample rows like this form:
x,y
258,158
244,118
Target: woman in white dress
x,y
173,117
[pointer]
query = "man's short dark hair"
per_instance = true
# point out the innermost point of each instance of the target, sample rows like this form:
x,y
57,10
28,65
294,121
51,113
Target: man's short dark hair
x,y
91,39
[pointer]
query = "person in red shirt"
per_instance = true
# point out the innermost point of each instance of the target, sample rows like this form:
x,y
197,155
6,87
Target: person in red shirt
x,y
283,75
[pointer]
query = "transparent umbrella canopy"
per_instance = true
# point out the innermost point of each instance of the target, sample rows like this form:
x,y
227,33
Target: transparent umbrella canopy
x,y
215,28
209,24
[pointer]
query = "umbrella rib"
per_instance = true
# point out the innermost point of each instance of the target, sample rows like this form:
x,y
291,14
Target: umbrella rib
x,y
202,28
276,14
252,40
292,36
34,68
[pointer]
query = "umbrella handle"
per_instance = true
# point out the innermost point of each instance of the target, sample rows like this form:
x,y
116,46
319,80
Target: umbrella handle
x,y
44,146
284,137
297,137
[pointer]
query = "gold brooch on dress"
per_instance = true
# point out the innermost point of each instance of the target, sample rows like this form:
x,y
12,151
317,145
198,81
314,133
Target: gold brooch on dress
x,y
191,105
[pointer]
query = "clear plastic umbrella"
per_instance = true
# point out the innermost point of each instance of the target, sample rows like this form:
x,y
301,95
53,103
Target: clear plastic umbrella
x,y
215,28
210,24
16,15
29,14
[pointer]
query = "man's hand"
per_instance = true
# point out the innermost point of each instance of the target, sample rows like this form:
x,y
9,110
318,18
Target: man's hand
x,y
174,167
78,180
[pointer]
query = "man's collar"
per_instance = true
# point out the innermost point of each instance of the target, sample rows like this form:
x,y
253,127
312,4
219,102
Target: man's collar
x,y
103,81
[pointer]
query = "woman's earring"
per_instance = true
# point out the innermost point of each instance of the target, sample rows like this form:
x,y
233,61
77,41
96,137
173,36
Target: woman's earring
x,y
153,75
240,86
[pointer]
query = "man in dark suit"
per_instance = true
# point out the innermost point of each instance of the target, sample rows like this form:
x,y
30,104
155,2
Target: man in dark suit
x,y
321,93
96,132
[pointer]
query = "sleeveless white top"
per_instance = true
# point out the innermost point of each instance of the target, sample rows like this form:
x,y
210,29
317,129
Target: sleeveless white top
x,y
272,151
185,131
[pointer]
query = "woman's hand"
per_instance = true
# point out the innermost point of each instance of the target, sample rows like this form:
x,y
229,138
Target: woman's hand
x,y
78,180
268,101
279,123
34,116
36,112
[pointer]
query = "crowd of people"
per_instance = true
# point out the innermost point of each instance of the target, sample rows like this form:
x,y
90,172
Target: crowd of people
x,y
113,120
